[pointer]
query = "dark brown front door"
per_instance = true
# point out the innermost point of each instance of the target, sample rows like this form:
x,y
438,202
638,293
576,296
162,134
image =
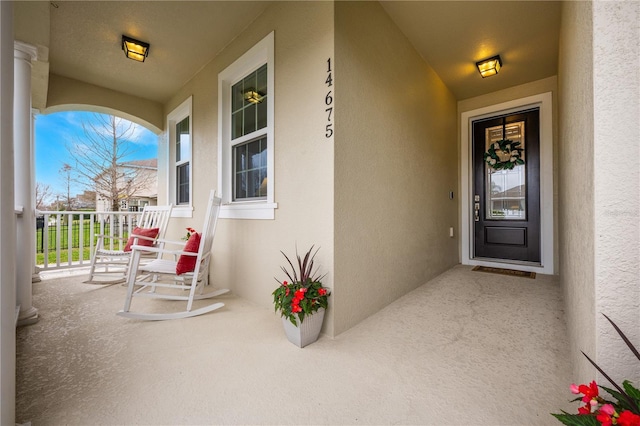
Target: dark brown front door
x,y
506,182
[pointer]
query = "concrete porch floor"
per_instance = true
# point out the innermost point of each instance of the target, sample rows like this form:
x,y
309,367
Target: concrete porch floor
x,y
466,348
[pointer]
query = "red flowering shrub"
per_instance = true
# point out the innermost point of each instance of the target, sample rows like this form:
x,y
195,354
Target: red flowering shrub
x,y
189,232
304,294
624,411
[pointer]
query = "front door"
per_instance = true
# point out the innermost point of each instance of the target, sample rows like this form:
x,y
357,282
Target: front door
x,y
506,184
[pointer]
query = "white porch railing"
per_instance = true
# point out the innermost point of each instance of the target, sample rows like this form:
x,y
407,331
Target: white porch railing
x,y
67,239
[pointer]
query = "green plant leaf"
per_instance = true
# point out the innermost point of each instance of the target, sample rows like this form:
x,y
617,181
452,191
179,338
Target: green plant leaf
x,y
634,394
577,419
620,401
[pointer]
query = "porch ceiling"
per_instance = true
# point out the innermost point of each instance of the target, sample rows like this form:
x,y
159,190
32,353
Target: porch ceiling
x,y
453,35
85,41
84,37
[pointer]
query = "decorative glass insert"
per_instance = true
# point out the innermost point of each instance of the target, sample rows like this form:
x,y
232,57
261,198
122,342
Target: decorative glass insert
x,y
250,170
248,104
506,189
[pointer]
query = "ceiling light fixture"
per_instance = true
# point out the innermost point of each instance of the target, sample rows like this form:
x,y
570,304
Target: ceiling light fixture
x,y
489,67
253,96
135,49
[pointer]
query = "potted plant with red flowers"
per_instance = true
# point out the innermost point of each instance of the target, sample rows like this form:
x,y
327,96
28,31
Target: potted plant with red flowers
x,y
621,407
301,300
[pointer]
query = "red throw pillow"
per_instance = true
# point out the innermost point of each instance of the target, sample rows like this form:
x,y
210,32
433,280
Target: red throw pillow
x,y
188,263
145,232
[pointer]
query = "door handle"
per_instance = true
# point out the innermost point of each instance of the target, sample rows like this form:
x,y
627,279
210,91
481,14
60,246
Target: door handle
x,y
476,208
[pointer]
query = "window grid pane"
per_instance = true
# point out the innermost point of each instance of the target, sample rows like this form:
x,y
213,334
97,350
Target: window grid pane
x,y
250,170
182,140
246,116
182,183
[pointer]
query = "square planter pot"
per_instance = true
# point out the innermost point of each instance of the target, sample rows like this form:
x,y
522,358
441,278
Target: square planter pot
x,y
306,332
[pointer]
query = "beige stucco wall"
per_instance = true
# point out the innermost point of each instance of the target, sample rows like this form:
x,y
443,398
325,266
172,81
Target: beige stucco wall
x,y
395,163
599,183
616,183
576,213
68,94
522,91
247,252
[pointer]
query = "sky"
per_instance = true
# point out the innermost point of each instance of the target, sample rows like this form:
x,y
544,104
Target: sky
x,y
55,132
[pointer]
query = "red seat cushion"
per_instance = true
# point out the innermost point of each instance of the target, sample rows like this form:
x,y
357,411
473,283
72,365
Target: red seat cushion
x,y
188,263
145,232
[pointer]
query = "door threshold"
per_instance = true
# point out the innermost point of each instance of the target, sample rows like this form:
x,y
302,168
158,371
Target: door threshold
x,y
506,263
509,261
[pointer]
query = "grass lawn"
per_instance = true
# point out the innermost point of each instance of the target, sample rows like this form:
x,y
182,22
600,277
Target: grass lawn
x,y
75,238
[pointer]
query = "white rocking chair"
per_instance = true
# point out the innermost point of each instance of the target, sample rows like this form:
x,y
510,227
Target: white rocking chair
x,y
160,280
111,266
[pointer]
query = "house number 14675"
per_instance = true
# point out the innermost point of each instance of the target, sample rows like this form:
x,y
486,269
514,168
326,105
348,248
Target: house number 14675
x,y
328,100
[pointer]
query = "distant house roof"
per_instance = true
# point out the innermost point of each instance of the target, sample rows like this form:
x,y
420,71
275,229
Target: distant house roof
x,y
151,163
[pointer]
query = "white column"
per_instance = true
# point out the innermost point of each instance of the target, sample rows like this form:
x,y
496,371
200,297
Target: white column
x,y
23,150
7,223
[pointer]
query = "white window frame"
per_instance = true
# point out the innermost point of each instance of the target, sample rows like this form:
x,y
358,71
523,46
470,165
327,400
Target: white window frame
x,y
183,111
253,59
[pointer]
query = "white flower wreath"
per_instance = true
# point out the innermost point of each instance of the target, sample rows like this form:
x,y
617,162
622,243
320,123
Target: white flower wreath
x,y
504,148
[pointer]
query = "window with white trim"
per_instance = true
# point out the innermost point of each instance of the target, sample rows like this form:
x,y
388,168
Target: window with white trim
x,y
179,157
245,135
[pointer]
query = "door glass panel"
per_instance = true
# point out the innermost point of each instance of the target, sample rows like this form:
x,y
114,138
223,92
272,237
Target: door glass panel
x,y
506,189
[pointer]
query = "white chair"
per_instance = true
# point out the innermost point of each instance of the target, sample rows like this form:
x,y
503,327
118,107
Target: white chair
x,y
110,266
159,279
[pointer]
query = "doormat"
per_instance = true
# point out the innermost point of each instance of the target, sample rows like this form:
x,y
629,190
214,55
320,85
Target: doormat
x,y
502,271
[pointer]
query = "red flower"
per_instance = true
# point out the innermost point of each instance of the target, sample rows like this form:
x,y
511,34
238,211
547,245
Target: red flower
x,y
284,283
590,392
322,292
604,419
608,409
585,410
627,418
295,308
300,293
